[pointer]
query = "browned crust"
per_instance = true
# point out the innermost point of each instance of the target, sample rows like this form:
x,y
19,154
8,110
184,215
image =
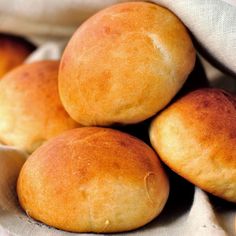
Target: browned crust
x,y
30,108
124,64
89,179
196,137
13,52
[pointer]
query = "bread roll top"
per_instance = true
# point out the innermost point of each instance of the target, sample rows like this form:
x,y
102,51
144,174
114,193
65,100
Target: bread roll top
x,y
93,180
124,64
196,137
30,109
13,52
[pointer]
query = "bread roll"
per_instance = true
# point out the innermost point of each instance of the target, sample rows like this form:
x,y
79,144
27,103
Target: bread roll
x,y
13,52
196,137
124,64
93,180
30,108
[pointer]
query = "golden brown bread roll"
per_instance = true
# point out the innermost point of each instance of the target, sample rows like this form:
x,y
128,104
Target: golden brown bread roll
x,y
13,52
124,64
196,137
93,180
30,108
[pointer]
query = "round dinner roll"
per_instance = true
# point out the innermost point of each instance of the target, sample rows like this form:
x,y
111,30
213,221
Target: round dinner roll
x,y
13,52
93,180
124,64
30,109
196,137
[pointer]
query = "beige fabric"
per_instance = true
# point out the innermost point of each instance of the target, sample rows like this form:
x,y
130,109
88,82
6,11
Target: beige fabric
x,y
49,24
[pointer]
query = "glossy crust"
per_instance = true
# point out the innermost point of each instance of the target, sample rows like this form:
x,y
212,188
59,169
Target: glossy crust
x,y
13,52
30,108
124,64
93,180
196,137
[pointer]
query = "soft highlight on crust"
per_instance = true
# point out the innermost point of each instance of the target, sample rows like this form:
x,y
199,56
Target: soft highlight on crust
x,y
30,108
93,180
196,137
13,52
124,64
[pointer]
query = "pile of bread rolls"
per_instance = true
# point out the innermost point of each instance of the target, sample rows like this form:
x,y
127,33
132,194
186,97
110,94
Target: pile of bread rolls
x,y
122,66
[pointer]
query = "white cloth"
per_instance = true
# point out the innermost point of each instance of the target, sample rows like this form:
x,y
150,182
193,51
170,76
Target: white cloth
x,y
49,24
